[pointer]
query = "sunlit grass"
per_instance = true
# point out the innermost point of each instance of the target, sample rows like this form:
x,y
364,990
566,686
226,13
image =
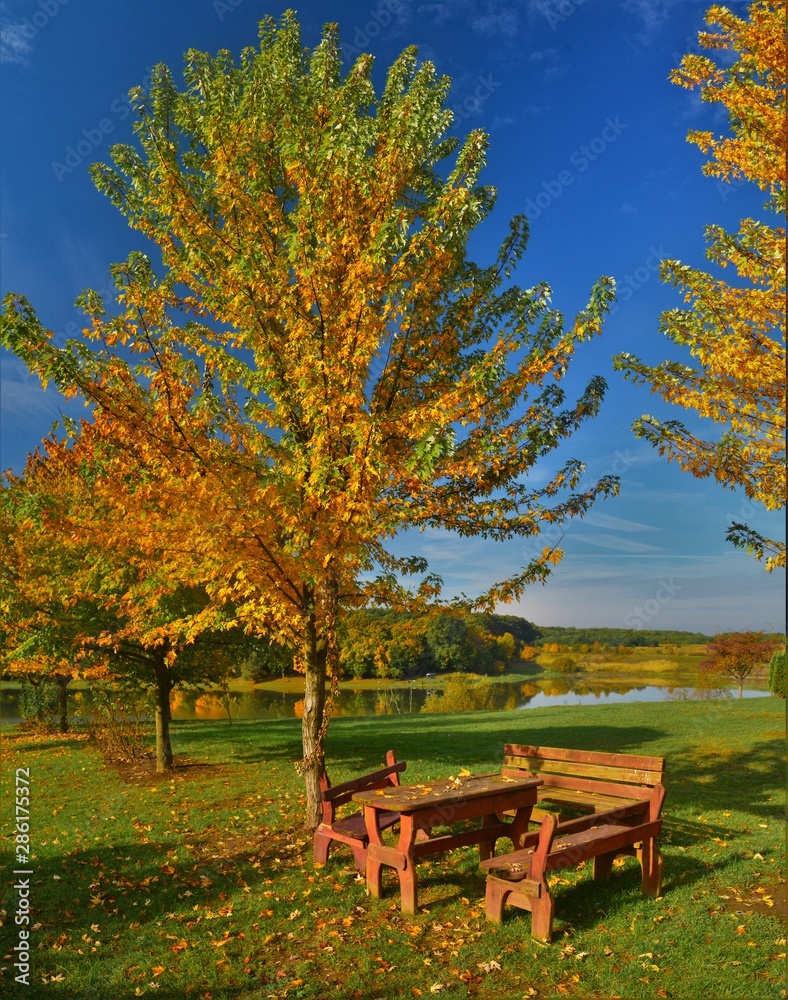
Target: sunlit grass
x,y
201,883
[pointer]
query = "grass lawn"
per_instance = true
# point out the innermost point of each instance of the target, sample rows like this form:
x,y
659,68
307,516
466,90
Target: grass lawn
x,y
201,883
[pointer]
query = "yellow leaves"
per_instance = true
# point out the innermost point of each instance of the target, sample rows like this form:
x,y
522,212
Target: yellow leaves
x,y
552,555
736,334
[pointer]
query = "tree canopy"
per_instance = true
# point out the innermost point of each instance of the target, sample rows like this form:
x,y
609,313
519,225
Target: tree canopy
x,y
80,596
737,654
734,332
316,363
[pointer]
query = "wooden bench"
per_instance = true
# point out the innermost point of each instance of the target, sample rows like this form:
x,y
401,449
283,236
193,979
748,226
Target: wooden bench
x,y
620,798
351,830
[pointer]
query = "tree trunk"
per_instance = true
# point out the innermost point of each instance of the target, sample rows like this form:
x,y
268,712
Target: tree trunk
x,y
162,712
312,722
62,699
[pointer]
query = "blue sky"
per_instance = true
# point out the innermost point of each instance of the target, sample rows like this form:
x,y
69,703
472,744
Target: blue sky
x,y
587,138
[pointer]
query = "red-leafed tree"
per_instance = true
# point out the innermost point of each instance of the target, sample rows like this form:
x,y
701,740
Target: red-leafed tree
x,y
737,654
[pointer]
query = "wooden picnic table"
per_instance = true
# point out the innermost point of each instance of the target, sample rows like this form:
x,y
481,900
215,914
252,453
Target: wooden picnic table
x,y
423,807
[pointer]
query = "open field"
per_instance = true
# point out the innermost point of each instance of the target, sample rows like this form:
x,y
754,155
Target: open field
x,y
201,883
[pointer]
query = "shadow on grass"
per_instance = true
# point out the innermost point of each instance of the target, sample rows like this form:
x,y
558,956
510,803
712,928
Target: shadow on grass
x,y
463,740
82,901
21,741
583,904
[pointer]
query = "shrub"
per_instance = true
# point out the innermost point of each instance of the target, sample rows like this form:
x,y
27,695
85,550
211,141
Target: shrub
x,y
39,705
778,677
462,694
564,665
120,726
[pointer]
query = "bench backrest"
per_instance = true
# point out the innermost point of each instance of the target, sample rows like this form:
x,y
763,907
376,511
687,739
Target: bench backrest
x,y
333,797
614,774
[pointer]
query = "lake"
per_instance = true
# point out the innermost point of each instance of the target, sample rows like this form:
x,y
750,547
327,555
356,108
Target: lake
x,y
263,703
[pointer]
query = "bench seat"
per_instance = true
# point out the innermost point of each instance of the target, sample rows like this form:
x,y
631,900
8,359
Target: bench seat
x,y
351,830
620,800
353,827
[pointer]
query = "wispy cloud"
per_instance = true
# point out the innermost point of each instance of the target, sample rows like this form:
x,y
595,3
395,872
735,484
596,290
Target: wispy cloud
x,y
438,13
486,19
26,398
497,19
614,543
652,13
599,520
14,46
710,594
543,55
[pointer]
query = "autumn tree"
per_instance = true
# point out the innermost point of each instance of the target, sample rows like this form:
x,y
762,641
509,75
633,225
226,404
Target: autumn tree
x,y
376,643
80,596
316,363
737,654
735,332
37,640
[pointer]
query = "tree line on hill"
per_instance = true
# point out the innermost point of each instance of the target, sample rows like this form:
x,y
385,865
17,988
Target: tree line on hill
x,y
400,645
612,637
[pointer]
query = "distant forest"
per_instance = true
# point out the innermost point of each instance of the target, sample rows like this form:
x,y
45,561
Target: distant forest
x,y
568,636
380,643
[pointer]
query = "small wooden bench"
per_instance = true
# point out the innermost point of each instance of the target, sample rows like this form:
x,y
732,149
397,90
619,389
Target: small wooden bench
x,y
620,797
351,830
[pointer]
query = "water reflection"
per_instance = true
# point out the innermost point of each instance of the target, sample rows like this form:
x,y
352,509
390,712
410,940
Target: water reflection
x,y
460,693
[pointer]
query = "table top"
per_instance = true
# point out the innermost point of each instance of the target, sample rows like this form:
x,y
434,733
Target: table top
x,y
409,798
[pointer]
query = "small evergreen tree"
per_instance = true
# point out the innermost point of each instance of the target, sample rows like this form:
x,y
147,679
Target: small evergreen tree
x,y
778,678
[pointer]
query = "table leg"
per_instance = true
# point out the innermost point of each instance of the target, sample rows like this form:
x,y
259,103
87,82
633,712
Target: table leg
x,y
487,844
407,875
374,872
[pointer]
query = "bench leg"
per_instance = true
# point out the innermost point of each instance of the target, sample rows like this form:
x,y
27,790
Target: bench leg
x,y
542,911
603,865
360,858
542,906
651,865
322,845
495,898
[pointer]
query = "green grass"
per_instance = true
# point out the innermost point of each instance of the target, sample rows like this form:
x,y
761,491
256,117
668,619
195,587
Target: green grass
x,y
201,884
